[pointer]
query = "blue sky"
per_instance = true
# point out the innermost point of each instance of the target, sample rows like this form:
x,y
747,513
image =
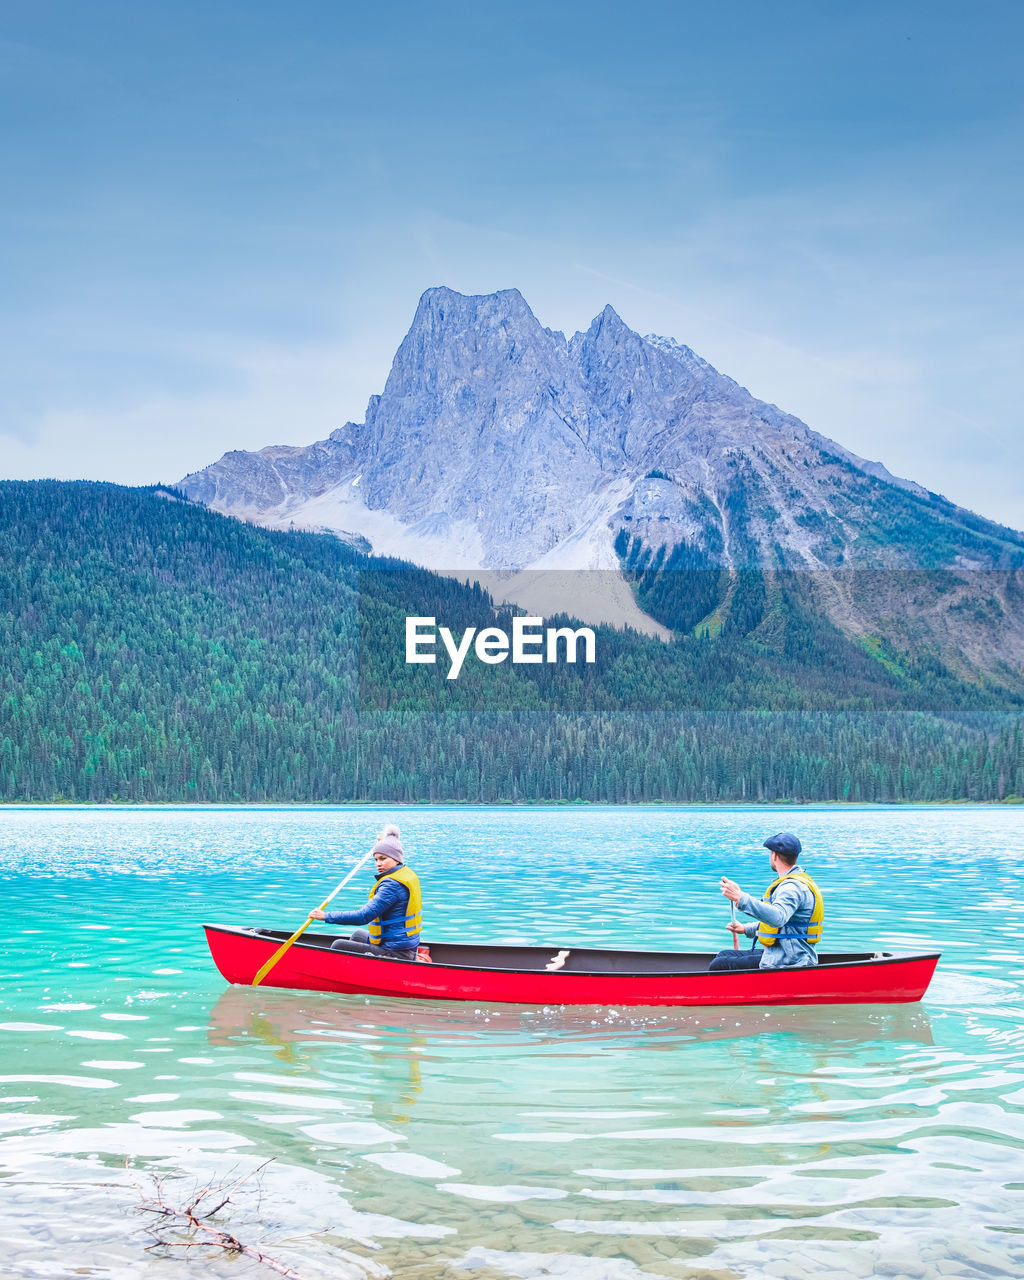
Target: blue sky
x,y
217,217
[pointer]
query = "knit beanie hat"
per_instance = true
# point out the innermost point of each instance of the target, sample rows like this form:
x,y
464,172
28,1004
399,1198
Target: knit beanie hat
x,y
390,844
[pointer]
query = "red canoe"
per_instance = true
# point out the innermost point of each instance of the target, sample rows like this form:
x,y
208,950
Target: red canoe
x,y
519,975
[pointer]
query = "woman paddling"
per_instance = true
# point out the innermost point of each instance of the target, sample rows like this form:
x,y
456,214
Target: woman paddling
x,y
393,913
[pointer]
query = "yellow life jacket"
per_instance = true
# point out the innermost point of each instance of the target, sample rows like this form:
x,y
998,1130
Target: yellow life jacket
x,y
413,911
768,934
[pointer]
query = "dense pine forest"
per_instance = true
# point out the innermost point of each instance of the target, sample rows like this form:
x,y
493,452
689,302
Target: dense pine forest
x,y
151,650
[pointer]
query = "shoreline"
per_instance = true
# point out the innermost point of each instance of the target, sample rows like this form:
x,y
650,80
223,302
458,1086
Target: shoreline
x,y
319,805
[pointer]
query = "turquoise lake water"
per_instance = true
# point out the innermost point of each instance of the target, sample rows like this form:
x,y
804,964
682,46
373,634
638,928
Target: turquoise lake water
x,y
447,1142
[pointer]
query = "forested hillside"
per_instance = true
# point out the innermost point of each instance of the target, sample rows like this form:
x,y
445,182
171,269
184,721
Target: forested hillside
x,y
152,650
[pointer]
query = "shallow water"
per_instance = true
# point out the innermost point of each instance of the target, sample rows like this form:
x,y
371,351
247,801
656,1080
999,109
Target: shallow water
x,y
443,1141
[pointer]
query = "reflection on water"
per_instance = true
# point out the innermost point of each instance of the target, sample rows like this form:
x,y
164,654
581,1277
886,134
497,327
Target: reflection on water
x,y
459,1143
286,1018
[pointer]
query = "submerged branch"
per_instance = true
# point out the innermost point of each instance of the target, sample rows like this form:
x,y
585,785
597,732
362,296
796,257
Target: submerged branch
x,y
193,1219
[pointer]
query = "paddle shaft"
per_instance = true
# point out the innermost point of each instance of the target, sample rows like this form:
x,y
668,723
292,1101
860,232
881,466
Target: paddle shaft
x,y
262,973
735,936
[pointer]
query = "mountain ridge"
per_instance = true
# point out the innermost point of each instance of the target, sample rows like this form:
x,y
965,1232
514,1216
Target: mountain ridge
x,y
499,445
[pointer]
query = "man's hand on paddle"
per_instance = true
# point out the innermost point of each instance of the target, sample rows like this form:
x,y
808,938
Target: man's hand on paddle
x,y
731,889
317,914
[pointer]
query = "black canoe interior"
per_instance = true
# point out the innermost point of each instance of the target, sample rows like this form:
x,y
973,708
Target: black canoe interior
x,y
578,960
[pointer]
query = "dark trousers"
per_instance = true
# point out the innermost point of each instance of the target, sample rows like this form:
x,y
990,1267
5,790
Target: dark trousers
x,y
732,959
360,943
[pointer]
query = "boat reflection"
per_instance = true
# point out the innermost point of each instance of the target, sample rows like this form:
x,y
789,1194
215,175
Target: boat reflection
x,y
286,1020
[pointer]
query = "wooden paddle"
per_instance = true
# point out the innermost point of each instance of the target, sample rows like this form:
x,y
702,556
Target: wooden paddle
x,y
262,973
735,936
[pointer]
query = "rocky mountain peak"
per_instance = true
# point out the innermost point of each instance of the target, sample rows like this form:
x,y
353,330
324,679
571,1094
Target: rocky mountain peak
x,y
441,313
496,444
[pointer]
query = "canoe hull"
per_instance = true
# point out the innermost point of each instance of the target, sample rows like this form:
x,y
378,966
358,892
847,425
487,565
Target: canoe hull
x,y
676,980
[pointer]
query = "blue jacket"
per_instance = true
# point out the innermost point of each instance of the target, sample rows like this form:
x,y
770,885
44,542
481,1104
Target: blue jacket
x,y
389,902
790,901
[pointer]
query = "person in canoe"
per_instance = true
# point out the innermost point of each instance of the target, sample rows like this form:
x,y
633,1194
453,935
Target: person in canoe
x,y
788,919
393,913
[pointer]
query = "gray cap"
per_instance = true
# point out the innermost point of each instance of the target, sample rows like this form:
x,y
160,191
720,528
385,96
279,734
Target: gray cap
x,y
785,842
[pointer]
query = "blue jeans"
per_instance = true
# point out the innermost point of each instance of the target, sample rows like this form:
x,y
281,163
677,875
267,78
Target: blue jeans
x,y
360,943
732,959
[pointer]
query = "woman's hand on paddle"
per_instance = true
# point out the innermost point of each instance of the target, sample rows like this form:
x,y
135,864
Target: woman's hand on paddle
x,y
317,914
731,889
735,926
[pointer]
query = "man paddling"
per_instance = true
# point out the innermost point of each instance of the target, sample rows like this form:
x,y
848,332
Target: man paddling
x,y
394,912
789,917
